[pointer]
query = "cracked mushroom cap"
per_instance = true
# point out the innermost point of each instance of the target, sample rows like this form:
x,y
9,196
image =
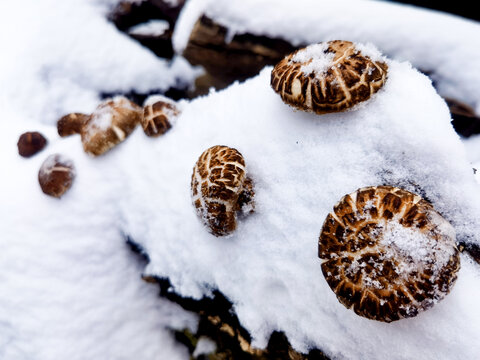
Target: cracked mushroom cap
x,y
111,122
330,76
220,188
159,115
387,254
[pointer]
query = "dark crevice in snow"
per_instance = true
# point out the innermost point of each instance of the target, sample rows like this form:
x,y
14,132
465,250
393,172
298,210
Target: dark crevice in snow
x,y
471,249
464,119
465,8
128,14
175,93
137,249
219,322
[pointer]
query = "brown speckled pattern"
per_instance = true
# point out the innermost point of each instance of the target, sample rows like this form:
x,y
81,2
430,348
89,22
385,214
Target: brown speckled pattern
x,y
352,252
352,78
220,187
157,118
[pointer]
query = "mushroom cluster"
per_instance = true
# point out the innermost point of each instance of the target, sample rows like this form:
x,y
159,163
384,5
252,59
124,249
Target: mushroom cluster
x,y
385,252
115,119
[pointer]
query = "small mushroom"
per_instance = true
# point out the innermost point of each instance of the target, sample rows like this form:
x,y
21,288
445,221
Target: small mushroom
x,y
329,77
111,122
56,175
71,124
220,188
159,115
30,143
387,254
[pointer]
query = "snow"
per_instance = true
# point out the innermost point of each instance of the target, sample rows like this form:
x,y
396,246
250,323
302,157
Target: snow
x,y
445,46
61,61
417,246
204,346
314,59
150,28
69,286
302,164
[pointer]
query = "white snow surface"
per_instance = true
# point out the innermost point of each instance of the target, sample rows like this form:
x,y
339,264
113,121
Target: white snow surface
x,y
63,54
70,288
445,46
302,164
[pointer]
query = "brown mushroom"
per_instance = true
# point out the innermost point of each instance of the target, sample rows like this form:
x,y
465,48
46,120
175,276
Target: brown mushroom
x,y
71,124
159,115
30,143
387,254
329,77
56,175
220,188
110,123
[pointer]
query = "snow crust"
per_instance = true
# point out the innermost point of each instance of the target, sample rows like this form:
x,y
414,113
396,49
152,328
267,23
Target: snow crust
x,y
302,164
314,58
445,46
418,246
69,286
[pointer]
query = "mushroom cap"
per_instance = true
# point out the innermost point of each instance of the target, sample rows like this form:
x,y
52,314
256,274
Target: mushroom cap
x,y
111,122
158,116
329,77
30,143
56,175
387,253
71,124
220,187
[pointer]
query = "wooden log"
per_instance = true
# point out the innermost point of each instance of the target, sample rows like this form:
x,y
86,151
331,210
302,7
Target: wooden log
x,y
242,57
246,54
127,14
464,119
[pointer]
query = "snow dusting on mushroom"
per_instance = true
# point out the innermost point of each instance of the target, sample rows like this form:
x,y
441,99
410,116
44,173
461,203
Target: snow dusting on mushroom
x,y
387,254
